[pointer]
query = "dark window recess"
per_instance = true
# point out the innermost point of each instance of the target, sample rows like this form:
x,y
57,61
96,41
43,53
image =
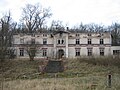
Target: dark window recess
x,y
77,52
89,34
101,52
33,35
44,52
58,41
116,52
44,41
77,41
77,35
101,41
89,41
89,52
44,35
32,41
62,41
22,52
38,36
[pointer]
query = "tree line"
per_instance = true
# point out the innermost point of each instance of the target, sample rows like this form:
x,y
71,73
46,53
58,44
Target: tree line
x,y
33,20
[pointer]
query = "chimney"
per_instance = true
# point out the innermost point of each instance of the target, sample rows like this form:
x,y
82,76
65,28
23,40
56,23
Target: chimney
x,y
67,28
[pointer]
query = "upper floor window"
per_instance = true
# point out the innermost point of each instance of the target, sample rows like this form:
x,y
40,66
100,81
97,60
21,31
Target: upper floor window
x,y
44,41
77,41
77,34
44,35
102,51
32,41
89,51
89,41
60,41
101,41
33,35
22,41
89,34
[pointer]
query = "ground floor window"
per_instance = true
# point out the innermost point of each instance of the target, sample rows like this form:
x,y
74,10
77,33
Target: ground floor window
x,y
89,51
21,51
102,52
116,52
77,52
44,53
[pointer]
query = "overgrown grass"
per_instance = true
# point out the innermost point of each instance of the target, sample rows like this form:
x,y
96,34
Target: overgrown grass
x,y
79,74
101,65
15,68
104,61
81,83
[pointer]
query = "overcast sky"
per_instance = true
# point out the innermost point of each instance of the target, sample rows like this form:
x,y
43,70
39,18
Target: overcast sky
x,y
71,12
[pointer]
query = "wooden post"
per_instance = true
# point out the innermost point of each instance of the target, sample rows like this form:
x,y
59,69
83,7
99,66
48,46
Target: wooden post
x,y
2,84
55,81
109,80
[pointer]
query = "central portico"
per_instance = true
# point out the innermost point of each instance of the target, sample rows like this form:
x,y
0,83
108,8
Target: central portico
x,y
61,44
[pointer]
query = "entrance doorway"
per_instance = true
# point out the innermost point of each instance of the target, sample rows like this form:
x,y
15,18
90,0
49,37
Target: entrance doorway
x,y
60,53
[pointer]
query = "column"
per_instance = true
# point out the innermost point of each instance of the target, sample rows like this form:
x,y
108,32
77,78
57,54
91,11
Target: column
x,y
54,42
66,46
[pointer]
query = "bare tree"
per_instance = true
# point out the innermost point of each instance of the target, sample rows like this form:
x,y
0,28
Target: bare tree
x,y
34,16
32,49
5,35
115,32
57,25
89,28
79,28
95,28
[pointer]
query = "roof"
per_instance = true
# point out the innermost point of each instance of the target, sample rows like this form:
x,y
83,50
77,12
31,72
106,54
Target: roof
x,y
60,31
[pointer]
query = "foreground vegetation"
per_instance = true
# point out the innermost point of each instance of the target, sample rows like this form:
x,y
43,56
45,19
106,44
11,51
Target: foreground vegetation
x,y
77,83
79,74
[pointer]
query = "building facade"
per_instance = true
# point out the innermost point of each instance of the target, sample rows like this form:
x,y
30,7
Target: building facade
x,y
65,44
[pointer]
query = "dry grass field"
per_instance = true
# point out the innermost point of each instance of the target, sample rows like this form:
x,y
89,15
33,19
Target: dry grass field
x,y
76,83
79,74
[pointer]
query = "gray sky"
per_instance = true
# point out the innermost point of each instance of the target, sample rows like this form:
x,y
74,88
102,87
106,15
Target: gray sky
x,y
71,12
